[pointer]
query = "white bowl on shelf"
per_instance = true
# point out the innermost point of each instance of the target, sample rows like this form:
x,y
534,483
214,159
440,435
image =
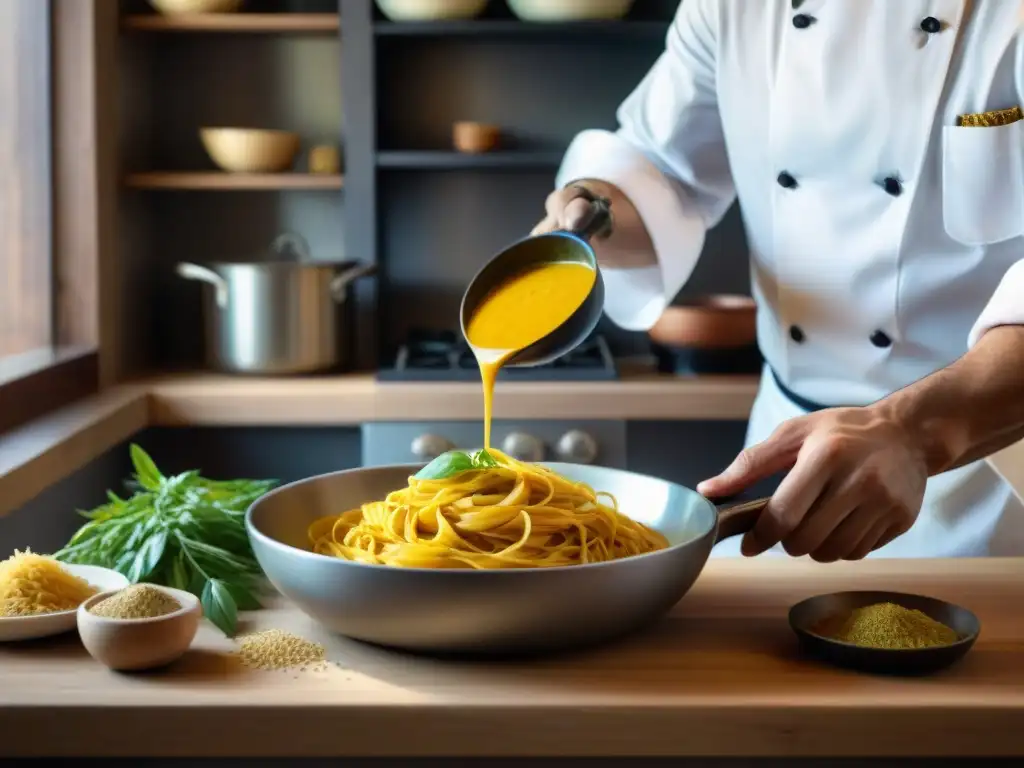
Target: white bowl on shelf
x,y
431,10
569,10
181,7
47,624
250,150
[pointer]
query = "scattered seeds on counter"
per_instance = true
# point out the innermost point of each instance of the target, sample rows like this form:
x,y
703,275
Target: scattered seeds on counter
x,y
140,601
275,649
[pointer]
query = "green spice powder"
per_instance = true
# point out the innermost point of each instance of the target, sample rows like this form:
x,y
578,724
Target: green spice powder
x,y
139,601
888,626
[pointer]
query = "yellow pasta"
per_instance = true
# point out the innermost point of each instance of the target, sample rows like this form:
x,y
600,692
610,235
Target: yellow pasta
x,y
513,515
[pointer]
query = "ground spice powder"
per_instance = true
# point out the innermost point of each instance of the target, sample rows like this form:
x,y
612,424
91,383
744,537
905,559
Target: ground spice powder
x,y
888,626
140,601
276,649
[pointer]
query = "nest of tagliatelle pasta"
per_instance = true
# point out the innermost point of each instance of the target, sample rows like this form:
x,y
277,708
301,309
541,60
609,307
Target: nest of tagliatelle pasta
x,y
485,510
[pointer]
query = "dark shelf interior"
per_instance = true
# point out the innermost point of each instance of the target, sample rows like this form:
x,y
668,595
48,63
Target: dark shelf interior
x,y
442,160
525,29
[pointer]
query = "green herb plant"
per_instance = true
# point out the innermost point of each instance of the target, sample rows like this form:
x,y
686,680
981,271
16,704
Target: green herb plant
x,y
454,463
185,532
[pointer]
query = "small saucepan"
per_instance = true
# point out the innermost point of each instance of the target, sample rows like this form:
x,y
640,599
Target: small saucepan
x,y
551,247
280,315
489,612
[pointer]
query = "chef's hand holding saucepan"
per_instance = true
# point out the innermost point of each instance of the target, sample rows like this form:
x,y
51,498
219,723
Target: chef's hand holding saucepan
x,y
856,482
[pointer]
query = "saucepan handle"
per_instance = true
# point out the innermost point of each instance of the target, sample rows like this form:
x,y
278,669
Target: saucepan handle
x,y
192,271
597,222
736,517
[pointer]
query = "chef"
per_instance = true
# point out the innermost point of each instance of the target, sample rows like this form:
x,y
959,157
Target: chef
x,y
877,150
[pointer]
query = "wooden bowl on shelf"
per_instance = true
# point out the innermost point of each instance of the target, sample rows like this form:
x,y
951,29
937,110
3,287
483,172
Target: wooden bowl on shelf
x,y
182,7
475,138
250,150
430,10
710,322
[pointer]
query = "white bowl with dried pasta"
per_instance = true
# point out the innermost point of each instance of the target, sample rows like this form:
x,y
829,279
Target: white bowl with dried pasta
x,y
37,625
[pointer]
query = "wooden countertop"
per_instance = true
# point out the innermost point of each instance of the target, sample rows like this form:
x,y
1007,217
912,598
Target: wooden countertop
x,y
720,676
209,399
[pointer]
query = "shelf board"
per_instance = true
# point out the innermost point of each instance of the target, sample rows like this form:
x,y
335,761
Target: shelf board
x,y
449,160
266,23
515,28
217,180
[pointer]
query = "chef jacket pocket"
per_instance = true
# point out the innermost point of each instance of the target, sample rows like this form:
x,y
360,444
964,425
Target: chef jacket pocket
x,y
983,183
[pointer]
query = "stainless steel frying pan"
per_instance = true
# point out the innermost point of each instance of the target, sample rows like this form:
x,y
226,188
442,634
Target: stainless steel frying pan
x,y
488,612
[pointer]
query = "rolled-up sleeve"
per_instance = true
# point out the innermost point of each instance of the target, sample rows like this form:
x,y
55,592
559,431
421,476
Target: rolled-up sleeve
x,y
668,157
1006,307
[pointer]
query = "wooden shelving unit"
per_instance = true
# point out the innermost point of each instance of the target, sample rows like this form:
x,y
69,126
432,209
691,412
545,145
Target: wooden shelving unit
x,y
446,160
218,181
257,23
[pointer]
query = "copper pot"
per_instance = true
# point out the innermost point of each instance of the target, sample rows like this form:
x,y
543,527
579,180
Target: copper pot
x,y
710,322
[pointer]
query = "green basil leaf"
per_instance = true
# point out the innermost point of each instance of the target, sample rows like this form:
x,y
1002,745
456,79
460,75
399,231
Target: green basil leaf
x,y
245,600
145,470
148,557
483,460
178,574
219,606
446,465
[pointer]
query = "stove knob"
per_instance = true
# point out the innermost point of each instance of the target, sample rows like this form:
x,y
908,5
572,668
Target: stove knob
x,y
428,447
523,447
577,447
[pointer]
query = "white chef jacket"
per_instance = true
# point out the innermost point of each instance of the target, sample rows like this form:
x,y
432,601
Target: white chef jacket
x,y
884,237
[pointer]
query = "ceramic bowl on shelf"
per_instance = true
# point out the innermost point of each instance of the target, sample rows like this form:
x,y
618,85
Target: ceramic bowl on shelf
x,y
474,138
14,628
430,10
136,644
569,10
250,150
181,7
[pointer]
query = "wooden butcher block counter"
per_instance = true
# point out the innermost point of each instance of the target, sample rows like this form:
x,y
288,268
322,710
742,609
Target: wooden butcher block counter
x,y
720,676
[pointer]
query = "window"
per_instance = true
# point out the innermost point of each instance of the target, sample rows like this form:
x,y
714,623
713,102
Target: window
x,y
48,204
26,263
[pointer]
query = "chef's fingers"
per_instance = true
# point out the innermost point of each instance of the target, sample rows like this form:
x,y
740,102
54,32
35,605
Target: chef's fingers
x,y
797,494
864,522
870,542
757,462
834,506
566,207
870,538
547,224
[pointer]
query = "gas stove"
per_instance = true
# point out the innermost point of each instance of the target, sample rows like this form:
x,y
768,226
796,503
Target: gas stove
x,y
445,356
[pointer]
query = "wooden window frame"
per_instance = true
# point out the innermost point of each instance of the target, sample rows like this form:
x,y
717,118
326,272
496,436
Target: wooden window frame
x,y
83,220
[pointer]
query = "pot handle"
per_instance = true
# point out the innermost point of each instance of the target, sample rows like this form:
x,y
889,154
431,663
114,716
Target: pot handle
x,y
343,279
737,517
597,223
195,272
291,244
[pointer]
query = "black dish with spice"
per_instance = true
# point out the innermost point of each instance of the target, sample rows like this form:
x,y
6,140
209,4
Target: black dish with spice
x,y
884,632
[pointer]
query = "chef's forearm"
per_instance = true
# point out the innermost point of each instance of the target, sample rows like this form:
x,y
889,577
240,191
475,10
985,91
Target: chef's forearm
x,y
630,245
970,409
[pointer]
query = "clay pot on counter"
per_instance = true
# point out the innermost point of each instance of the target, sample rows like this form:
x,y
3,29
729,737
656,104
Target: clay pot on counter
x,y
709,334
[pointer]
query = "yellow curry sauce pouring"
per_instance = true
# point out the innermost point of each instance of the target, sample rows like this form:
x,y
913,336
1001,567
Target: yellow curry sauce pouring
x,y
540,287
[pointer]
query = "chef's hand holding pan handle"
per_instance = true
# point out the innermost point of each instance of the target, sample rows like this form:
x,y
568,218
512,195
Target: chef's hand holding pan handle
x,y
737,515
855,480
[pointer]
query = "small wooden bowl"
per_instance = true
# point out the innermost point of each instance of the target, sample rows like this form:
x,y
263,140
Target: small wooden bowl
x,y
250,150
136,644
475,138
711,322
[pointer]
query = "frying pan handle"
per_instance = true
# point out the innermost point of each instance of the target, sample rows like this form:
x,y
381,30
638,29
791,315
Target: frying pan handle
x,y
737,517
597,222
